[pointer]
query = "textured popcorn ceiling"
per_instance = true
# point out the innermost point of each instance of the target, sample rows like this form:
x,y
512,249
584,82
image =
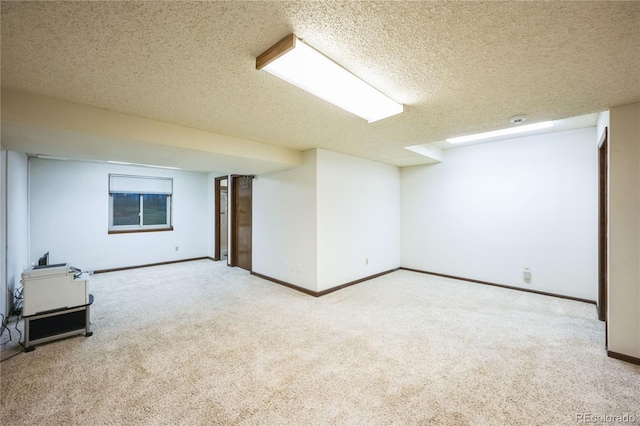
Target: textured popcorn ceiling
x,y
459,67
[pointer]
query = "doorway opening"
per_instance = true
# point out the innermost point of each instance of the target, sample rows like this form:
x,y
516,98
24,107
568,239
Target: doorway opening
x,y
221,245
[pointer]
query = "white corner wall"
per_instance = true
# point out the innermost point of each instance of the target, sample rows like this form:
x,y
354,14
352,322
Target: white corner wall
x,y
69,208
487,211
17,224
315,226
358,218
4,308
284,224
624,231
602,125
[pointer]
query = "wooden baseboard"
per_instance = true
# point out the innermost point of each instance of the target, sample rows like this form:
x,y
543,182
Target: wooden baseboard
x,y
124,268
323,292
350,283
286,284
544,293
622,357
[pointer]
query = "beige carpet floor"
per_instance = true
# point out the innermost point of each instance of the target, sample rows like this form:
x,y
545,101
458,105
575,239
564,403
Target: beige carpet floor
x,y
201,343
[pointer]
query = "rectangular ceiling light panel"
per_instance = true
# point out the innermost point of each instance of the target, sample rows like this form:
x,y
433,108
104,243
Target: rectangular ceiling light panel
x,y
143,165
501,132
299,64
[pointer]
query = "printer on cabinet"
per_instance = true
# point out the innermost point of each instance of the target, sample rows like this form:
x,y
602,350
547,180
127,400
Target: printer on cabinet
x,y
50,288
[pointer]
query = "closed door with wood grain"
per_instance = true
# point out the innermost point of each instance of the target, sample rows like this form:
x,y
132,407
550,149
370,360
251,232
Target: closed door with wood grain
x,y
241,221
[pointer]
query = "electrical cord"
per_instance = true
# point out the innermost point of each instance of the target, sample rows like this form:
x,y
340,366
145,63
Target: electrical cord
x,y
5,321
18,302
16,354
9,330
17,329
18,298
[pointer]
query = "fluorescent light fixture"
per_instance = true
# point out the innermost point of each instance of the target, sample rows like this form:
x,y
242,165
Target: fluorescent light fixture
x,y
301,65
503,132
143,165
51,157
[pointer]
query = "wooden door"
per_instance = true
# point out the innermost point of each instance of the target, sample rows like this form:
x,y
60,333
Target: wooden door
x,y
241,202
603,162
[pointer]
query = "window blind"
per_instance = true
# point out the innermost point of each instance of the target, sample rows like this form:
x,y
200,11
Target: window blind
x,y
126,184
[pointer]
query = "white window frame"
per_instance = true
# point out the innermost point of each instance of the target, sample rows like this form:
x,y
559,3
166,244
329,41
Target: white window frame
x,y
140,186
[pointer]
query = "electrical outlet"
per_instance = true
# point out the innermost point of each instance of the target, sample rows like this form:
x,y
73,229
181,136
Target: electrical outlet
x,y
526,274
177,248
366,261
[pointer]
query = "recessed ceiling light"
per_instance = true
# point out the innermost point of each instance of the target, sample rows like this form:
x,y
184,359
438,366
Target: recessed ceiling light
x,y
502,132
301,65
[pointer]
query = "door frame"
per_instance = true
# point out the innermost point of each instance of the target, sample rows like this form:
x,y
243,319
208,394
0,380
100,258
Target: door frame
x,y
217,187
603,220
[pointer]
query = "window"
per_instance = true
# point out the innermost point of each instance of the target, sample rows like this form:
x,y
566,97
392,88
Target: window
x,y
139,203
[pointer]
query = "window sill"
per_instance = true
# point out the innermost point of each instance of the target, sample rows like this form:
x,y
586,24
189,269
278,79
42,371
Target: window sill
x,y
131,231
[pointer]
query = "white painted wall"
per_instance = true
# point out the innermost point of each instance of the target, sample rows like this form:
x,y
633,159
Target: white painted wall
x,y
17,224
284,224
358,218
70,208
315,225
624,230
4,308
489,210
